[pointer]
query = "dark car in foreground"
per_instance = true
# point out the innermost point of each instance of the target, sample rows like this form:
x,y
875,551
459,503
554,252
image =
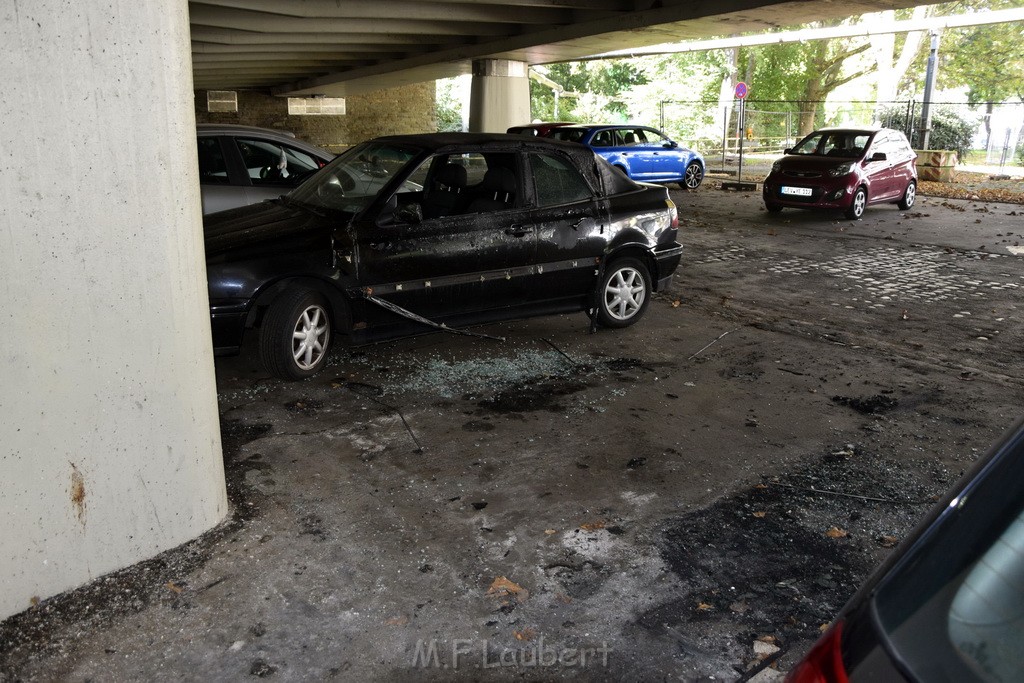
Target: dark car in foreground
x,y
404,234
948,604
844,169
641,152
241,165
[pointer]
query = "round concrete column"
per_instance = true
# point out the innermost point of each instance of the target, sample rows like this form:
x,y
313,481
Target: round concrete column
x,y
109,443
499,95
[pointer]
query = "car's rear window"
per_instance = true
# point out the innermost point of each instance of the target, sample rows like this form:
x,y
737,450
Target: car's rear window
x,y
953,608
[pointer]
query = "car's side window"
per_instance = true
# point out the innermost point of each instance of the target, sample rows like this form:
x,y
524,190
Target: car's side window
x,y
212,168
556,181
466,183
273,162
603,138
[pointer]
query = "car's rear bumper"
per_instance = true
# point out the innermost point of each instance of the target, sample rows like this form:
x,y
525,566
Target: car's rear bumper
x,y
667,258
227,324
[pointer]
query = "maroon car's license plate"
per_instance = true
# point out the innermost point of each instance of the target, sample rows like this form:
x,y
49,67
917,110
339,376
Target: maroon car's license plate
x,y
797,191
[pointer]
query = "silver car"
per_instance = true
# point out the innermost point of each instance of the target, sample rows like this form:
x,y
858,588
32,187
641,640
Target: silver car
x,y
240,165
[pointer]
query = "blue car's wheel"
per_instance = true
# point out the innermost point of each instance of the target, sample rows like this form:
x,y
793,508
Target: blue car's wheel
x,y
693,176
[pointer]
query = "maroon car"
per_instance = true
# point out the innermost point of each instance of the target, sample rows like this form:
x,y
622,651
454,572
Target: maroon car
x,y
846,169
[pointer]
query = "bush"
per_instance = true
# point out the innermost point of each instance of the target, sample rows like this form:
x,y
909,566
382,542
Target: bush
x,y
950,129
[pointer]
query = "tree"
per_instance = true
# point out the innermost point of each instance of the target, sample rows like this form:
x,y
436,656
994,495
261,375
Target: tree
x,y
805,72
988,60
605,81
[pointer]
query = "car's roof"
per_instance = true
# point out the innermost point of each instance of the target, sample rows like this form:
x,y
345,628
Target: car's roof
x,y
852,129
434,142
235,129
600,126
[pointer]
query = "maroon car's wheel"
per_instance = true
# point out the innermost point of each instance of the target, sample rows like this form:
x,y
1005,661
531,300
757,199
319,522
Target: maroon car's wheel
x,y
625,291
295,335
859,203
909,196
773,207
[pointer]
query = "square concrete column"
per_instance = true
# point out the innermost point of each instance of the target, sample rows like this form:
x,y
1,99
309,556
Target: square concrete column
x,y
499,95
109,442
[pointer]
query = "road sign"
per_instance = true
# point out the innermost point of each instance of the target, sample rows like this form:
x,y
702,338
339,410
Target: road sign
x,y
741,90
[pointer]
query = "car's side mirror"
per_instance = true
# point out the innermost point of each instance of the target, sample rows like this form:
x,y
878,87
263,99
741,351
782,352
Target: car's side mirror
x,y
878,156
409,213
788,150
671,144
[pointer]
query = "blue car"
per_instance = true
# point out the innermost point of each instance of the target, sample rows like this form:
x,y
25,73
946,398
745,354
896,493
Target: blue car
x,y
642,153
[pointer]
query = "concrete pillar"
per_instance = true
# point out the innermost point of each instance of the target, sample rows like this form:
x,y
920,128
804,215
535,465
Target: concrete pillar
x,y
109,441
499,96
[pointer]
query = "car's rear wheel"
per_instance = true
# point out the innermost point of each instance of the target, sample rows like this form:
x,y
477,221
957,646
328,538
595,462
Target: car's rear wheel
x,y
773,207
859,203
625,291
295,335
693,176
909,196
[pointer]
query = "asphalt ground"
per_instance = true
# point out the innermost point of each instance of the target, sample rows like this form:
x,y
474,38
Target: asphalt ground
x,y
689,498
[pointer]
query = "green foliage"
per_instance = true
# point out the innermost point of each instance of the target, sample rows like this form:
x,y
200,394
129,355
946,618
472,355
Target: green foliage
x,y
448,106
604,81
950,130
988,59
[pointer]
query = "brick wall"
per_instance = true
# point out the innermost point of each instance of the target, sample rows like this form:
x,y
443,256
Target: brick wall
x,y
408,109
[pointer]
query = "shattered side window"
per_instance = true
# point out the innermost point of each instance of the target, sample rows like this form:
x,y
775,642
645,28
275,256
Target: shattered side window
x,y
556,181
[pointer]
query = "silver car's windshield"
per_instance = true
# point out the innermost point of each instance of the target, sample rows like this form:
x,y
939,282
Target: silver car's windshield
x,y
351,181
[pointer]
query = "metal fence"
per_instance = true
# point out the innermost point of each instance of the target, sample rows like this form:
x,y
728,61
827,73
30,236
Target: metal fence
x,y
769,126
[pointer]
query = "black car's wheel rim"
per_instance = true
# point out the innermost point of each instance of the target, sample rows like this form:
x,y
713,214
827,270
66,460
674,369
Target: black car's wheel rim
x,y
625,293
309,337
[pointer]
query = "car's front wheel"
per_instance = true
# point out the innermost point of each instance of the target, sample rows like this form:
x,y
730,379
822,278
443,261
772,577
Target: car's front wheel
x,y
773,207
693,176
295,335
625,291
909,196
857,206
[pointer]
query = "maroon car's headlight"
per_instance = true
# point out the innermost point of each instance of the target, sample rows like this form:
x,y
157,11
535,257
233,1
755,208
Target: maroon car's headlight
x,y
842,169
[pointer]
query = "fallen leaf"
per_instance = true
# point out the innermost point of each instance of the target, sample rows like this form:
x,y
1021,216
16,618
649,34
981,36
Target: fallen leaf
x,y
676,303
502,587
563,598
525,634
594,526
550,531
761,486
397,621
768,639
836,532
760,514
888,541
704,607
170,585
823,628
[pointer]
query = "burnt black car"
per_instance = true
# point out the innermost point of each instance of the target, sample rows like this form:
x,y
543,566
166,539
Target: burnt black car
x,y
948,604
401,234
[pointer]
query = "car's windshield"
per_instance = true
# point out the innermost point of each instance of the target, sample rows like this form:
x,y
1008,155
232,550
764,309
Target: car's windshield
x,y
352,181
844,143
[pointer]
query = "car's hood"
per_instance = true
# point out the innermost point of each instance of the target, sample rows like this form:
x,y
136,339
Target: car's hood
x,y
811,163
269,221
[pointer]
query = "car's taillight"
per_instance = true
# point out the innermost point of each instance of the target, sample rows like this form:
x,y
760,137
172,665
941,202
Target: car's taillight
x,y
824,663
673,213
320,163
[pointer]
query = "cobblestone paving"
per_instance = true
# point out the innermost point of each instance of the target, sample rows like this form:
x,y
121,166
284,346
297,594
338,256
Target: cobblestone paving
x,y
890,273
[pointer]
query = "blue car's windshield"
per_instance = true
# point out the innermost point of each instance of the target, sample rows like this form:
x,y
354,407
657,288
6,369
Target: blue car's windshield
x,y
353,180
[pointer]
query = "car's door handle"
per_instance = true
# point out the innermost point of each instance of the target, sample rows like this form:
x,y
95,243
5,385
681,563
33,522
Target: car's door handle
x,y
578,222
518,230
